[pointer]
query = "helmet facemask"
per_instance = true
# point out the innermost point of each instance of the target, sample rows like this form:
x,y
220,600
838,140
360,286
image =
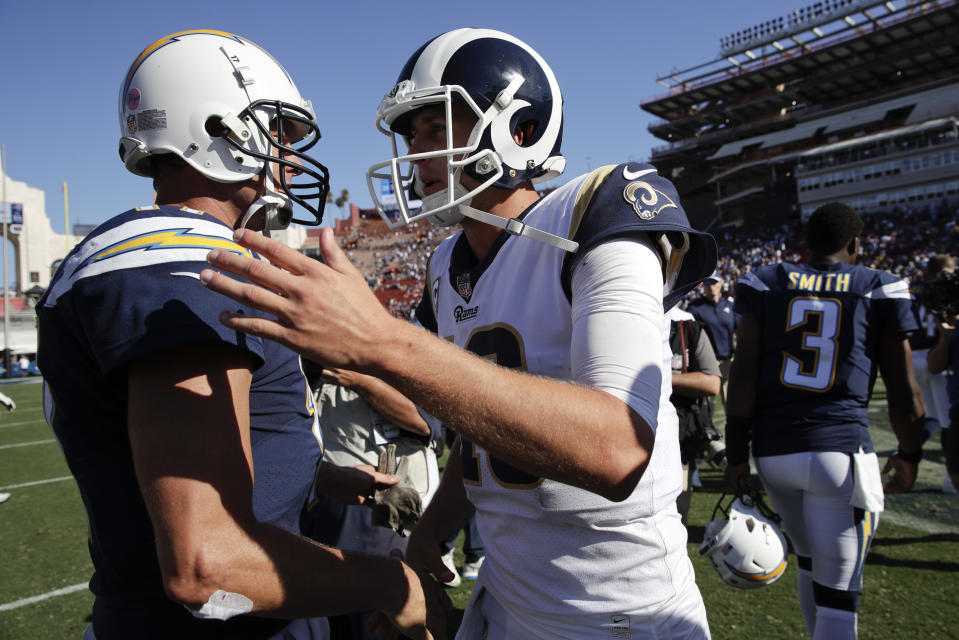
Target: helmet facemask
x,y
285,132
444,207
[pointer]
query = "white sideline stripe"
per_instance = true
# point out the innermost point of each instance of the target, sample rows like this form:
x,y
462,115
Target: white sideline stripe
x,y
915,522
35,483
19,424
26,444
45,596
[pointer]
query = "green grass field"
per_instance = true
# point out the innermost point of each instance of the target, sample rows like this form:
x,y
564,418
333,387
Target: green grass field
x,y
912,573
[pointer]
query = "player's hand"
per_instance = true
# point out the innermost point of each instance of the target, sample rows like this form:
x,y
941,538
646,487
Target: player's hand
x,y
903,474
411,618
423,616
737,476
324,311
341,377
351,485
424,554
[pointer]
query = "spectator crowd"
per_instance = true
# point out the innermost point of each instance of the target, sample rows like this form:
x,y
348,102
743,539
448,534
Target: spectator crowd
x,y
900,241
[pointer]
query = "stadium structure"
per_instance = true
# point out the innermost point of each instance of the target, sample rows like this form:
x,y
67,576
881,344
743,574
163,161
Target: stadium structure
x,y
850,100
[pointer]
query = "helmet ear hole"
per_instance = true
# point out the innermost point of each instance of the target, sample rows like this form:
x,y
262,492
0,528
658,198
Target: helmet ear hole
x,y
527,128
214,127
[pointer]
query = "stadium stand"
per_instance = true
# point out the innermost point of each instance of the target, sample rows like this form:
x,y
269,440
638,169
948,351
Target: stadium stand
x,y
849,100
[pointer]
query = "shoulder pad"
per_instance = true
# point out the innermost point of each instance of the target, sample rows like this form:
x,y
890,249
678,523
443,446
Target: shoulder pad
x,y
631,198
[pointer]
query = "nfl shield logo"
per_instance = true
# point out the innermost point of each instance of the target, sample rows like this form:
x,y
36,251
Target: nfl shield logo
x,y
464,286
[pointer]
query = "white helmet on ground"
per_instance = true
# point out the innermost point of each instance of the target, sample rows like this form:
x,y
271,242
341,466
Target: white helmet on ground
x,y
746,548
228,109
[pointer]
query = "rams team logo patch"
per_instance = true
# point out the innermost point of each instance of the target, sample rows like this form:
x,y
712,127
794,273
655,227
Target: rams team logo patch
x,y
648,202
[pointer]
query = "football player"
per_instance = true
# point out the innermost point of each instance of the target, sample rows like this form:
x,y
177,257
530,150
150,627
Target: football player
x,y
551,360
195,447
809,343
942,360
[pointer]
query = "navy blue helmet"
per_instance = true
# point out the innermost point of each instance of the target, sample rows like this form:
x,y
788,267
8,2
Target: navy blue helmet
x,y
506,84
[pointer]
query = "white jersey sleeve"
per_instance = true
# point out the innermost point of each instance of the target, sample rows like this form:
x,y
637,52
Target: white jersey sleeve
x,y
618,291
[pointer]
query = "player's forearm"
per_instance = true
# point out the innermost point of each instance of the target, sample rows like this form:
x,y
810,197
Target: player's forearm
x,y
696,384
314,578
906,414
742,394
908,423
449,506
906,411
285,575
937,359
528,421
391,404
740,408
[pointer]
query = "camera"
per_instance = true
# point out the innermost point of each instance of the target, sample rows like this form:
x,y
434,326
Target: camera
x,y
940,296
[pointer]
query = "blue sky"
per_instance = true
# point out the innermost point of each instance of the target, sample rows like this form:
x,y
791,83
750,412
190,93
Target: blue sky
x,y
63,63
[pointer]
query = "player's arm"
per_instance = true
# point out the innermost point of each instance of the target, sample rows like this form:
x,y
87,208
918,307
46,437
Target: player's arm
x,y
190,439
696,384
703,378
937,358
741,398
534,423
906,411
447,510
389,402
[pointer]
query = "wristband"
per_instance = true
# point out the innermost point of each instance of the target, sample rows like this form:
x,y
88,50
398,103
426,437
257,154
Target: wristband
x,y
911,458
738,435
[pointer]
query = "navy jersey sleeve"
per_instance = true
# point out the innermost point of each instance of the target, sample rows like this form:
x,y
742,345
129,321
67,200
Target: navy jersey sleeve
x,y
894,304
134,288
749,292
633,198
141,311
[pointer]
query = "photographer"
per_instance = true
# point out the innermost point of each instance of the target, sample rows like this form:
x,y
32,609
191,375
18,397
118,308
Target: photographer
x,y
696,380
944,355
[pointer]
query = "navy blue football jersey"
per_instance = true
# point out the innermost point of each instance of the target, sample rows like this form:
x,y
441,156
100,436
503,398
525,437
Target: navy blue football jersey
x,y
130,289
821,327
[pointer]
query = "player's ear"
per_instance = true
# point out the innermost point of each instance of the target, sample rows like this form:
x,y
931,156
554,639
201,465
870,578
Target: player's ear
x,y
523,132
854,246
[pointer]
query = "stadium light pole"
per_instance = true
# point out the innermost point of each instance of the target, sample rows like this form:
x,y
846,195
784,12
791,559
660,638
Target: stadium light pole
x,y
6,295
66,218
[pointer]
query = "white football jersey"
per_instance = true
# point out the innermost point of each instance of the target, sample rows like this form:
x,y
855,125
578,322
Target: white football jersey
x,y
566,562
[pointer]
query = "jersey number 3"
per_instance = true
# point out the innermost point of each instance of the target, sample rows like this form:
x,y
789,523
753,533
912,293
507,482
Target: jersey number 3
x,y
820,317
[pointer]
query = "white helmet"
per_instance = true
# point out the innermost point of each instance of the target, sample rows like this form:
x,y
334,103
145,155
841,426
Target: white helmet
x,y
746,548
227,108
505,83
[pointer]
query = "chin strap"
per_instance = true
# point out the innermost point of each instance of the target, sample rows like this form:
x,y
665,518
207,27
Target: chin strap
x,y
516,227
672,258
277,208
459,208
